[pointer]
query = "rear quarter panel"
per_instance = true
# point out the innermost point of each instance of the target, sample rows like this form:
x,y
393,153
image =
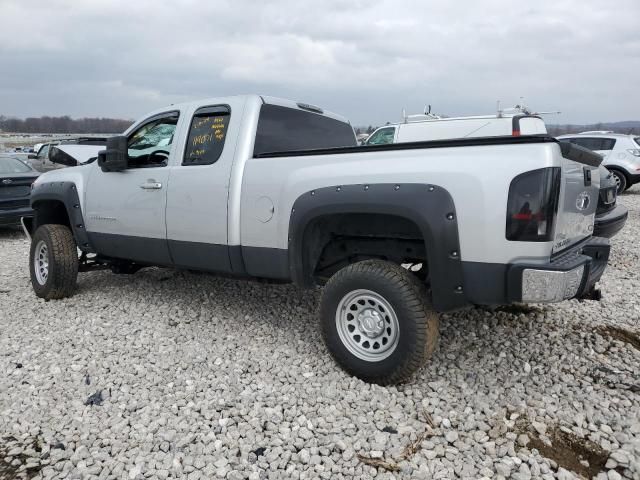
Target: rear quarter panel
x,y
477,177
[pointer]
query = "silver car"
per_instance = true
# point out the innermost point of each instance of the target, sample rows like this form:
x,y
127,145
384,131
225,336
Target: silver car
x,y
621,153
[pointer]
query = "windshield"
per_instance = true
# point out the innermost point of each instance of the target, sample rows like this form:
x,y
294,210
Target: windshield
x,y
154,134
12,165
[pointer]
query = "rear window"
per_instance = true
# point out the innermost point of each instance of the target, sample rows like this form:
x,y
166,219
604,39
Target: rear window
x,y
283,129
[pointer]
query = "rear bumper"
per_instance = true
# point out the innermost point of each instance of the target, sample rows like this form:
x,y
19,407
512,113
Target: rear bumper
x,y
611,222
571,274
13,216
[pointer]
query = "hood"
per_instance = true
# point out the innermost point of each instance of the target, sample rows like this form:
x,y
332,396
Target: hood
x,y
72,155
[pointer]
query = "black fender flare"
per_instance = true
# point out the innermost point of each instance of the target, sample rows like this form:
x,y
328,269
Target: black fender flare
x,y
430,207
67,194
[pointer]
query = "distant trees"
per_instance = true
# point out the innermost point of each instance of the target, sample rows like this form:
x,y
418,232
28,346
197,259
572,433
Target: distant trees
x,y
64,124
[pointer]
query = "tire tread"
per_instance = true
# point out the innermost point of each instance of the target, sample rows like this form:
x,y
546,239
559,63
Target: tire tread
x,y
413,297
63,262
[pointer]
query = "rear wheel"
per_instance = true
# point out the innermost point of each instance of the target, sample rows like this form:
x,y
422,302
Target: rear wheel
x,y
377,322
53,262
621,180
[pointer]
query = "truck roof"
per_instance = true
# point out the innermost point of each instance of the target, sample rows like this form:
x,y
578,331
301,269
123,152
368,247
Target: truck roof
x,y
262,98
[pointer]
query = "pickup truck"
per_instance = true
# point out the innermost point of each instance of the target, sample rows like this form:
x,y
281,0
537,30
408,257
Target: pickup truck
x,y
264,188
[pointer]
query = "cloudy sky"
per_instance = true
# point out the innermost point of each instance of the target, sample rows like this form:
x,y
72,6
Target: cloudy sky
x,y
364,59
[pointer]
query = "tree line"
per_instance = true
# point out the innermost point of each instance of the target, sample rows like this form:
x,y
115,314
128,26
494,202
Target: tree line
x,y
64,124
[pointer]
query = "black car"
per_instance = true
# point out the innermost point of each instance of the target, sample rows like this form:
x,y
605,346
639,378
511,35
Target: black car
x,y
610,216
16,178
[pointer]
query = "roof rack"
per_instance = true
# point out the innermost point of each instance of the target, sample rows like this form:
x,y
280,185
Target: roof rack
x,y
597,132
420,117
521,109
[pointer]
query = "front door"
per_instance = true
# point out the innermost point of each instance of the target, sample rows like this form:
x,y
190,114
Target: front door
x,y
125,211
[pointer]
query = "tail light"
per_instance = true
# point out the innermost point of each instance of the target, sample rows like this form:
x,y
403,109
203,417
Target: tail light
x,y
532,205
634,151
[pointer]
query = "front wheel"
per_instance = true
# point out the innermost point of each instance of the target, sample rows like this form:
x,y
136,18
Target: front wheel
x,y
377,322
53,262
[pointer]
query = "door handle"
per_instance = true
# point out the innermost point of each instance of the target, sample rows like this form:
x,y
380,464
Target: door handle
x,y
151,185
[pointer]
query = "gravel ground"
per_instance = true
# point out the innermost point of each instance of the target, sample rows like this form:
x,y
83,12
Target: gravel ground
x,y
171,374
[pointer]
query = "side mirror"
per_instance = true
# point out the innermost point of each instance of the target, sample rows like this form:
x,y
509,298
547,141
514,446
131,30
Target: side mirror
x,y
32,156
114,158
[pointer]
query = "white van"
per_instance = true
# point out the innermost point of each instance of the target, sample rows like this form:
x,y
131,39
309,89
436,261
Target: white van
x,y
420,128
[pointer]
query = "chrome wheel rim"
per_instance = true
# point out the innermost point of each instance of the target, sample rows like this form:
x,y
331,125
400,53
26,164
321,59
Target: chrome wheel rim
x,y
367,325
41,262
618,180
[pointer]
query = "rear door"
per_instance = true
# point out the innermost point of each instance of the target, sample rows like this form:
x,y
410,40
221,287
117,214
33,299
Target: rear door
x,y
199,188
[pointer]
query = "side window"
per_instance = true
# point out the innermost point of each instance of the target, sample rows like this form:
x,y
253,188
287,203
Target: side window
x,y
150,144
383,136
588,142
207,134
593,143
607,143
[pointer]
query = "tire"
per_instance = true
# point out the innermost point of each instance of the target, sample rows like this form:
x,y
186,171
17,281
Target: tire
x,y
53,262
621,180
387,303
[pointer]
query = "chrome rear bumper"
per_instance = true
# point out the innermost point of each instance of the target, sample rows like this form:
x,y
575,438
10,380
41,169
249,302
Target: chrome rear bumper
x,y
572,274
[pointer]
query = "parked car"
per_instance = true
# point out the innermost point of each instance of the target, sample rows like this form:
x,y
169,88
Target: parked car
x,y
609,219
16,178
259,187
621,153
42,160
610,216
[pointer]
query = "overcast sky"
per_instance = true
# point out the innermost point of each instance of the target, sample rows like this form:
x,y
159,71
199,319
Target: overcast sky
x,y
366,60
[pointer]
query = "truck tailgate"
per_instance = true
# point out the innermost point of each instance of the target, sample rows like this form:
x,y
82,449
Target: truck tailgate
x,y
578,196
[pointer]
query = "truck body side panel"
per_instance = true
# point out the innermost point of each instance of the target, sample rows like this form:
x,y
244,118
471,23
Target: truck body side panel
x,y
476,177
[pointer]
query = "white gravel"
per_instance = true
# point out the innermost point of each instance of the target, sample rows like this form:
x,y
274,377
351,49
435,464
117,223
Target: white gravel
x,y
172,374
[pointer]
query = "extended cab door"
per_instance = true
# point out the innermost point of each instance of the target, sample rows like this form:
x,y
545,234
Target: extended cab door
x,y
126,210
199,188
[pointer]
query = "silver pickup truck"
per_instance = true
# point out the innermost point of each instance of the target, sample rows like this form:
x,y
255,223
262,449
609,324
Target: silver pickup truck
x,y
259,187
